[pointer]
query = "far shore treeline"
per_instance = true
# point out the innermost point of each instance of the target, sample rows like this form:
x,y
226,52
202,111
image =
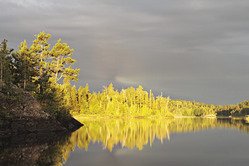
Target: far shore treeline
x,y
47,73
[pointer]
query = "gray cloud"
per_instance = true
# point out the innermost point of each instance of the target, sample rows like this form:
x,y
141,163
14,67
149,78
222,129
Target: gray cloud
x,y
195,49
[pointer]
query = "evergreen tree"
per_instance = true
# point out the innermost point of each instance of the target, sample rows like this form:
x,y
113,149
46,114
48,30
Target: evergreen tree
x,y
4,63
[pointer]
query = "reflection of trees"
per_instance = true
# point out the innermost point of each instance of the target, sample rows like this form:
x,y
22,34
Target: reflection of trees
x,y
35,149
135,133
132,133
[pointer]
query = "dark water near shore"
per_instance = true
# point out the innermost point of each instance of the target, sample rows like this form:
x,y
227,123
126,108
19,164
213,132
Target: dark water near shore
x,y
144,142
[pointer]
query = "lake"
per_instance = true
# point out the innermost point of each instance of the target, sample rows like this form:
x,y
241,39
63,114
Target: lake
x,y
111,142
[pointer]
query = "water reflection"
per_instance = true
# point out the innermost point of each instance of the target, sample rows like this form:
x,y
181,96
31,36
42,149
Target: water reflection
x,y
34,149
55,149
135,133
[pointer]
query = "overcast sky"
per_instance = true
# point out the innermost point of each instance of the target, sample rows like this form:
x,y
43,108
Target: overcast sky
x,y
189,49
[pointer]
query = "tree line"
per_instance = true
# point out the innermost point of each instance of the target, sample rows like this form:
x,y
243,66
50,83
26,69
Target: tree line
x,y
132,102
47,72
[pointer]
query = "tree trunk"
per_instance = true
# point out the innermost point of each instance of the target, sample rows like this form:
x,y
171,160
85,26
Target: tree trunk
x,y
1,73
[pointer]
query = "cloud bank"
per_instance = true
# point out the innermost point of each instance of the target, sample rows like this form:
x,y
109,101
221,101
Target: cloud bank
x,y
192,49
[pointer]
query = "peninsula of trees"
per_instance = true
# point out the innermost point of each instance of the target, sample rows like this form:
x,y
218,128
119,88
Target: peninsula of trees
x,y
47,73
33,82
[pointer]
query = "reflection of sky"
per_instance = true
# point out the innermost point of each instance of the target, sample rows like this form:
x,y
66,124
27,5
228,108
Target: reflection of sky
x,y
210,147
193,49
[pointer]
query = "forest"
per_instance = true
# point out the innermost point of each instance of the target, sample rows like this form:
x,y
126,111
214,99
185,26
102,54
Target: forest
x,y
47,73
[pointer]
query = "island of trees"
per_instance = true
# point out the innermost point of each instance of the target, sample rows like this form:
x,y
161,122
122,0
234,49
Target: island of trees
x,y
47,72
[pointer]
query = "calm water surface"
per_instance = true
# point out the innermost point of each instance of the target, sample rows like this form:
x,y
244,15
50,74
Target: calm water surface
x,y
162,142
112,142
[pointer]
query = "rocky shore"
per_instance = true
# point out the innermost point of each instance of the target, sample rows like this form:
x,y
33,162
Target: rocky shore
x,y
20,112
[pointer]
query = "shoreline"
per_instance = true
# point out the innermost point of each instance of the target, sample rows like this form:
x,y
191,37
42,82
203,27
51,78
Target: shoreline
x,y
77,117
